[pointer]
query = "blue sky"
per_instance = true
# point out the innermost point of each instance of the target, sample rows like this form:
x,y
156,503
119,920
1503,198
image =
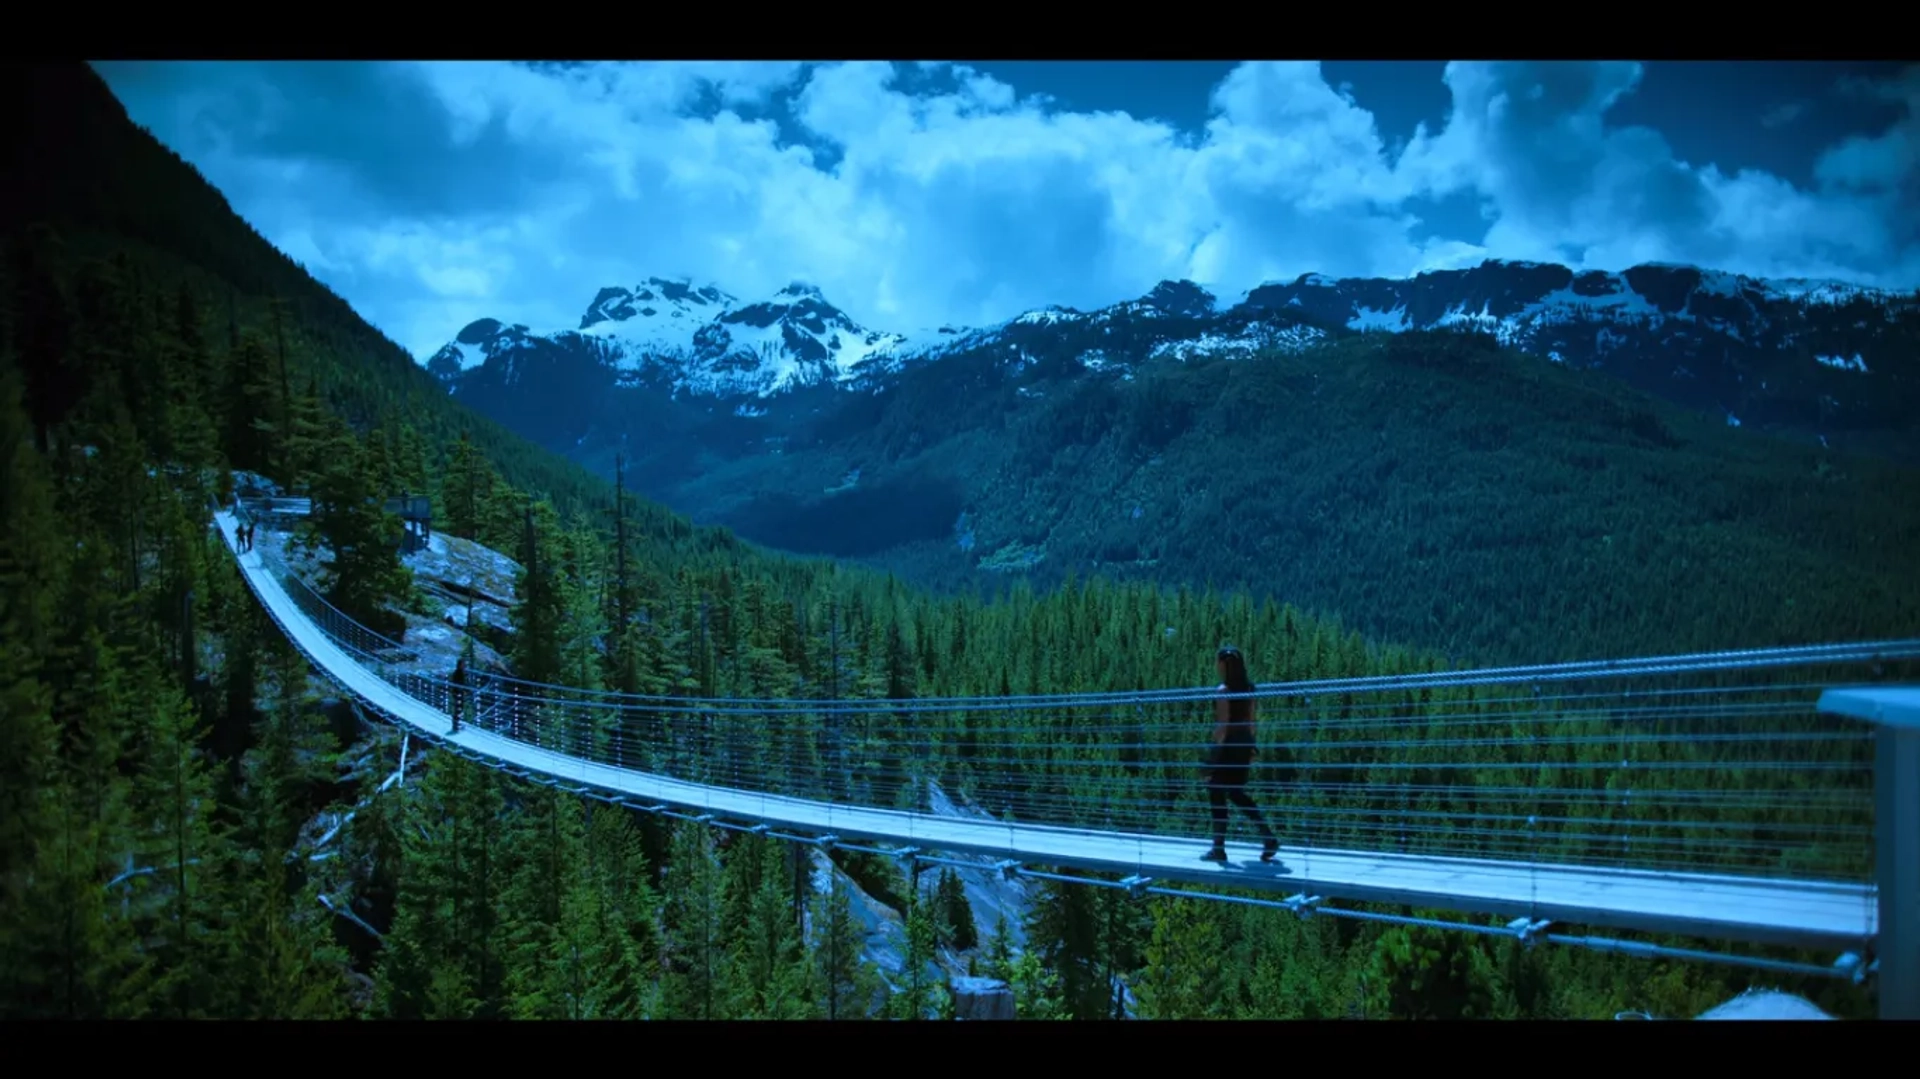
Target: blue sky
x,y
432,194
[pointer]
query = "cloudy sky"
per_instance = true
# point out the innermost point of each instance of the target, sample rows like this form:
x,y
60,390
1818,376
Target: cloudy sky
x,y
432,194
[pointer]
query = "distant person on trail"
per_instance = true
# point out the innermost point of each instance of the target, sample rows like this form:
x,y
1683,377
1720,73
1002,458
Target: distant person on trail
x,y
459,692
1231,756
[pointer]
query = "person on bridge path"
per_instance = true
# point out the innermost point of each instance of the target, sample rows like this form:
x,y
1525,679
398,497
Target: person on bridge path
x,y
459,693
1231,756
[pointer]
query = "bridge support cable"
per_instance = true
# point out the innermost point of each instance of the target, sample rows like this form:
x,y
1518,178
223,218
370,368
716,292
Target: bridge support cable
x,y
1528,933
1616,669
1506,802
1895,712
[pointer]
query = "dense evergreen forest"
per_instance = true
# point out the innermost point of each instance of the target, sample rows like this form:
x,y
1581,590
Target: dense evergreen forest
x,y
166,753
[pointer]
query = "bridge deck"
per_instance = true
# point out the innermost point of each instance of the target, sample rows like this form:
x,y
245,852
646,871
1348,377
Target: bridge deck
x,y
1804,913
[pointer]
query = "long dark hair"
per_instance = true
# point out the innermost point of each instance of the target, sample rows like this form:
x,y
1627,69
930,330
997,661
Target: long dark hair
x,y
1240,710
1236,664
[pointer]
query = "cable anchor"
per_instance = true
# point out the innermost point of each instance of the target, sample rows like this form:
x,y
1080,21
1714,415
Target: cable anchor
x,y
1856,966
1526,929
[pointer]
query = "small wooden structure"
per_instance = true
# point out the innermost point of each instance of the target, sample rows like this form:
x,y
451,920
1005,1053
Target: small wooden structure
x,y
416,519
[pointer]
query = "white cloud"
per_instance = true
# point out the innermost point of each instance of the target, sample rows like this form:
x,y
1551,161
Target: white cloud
x,y
433,194
1530,139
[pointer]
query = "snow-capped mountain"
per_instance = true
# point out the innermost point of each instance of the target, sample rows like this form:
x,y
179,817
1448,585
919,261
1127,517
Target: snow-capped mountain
x,y
1745,348
701,340
1817,358
692,338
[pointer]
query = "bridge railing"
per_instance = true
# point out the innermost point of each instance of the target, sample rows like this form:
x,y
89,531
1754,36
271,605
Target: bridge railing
x,y
1894,714
1690,763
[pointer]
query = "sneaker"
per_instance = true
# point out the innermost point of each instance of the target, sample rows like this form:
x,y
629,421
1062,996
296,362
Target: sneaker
x,y
1271,850
1217,854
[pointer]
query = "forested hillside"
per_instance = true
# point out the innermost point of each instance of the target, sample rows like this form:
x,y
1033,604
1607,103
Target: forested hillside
x,y
1428,487
164,754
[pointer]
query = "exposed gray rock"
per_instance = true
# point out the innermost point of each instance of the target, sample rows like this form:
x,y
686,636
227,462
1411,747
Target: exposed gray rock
x,y
990,894
1766,1004
981,998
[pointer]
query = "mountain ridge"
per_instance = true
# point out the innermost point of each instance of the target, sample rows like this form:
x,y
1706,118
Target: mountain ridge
x,y
1645,289
1817,360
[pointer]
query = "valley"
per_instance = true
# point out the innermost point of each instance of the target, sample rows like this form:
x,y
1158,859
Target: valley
x,y
1610,451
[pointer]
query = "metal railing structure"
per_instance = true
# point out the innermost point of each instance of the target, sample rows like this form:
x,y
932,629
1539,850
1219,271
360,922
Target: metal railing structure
x,y
1715,763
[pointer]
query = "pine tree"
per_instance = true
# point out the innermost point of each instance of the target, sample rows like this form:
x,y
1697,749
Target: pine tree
x,y
847,982
696,942
365,573
1421,973
101,707
956,913
307,438
187,845
1000,950
460,491
30,798
572,953
599,969
251,437
284,961
188,373
1036,989
42,316
623,979
539,618
443,956
920,994
1063,932
768,975
541,851
1183,964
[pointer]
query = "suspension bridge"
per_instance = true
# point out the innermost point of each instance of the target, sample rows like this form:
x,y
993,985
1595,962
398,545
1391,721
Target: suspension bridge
x,y
1734,796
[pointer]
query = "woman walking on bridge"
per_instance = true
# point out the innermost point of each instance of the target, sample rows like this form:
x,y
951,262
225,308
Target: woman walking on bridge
x,y
1231,756
458,698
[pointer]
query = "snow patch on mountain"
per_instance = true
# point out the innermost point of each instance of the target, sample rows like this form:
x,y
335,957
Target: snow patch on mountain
x,y
465,356
1393,320
1254,338
1046,316
659,314
1511,299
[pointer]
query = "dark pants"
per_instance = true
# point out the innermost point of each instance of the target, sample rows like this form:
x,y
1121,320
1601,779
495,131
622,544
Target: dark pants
x,y
1226,783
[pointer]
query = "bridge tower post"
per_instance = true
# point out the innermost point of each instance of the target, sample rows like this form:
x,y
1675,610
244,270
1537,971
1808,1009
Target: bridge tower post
x,y
1895,712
